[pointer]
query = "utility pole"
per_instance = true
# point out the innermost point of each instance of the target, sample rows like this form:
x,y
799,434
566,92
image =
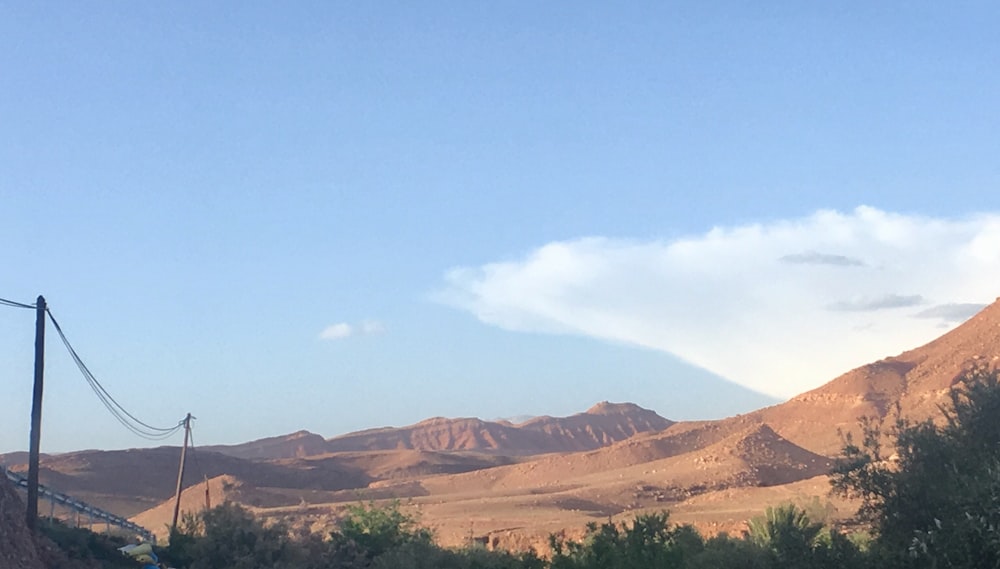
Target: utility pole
x,y
208,495
36,415
180,472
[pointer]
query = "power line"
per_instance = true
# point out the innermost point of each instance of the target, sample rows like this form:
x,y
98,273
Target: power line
x,y
11,303
128,420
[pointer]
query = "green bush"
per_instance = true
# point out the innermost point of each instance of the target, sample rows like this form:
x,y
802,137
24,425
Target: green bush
x,y
649,542
85,545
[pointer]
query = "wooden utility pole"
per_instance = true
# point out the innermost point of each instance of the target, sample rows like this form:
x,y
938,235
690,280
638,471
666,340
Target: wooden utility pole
x,y
31,518
180,473
208,495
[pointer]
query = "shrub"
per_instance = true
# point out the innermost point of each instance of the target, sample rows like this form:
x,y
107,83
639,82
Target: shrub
x,y
84,545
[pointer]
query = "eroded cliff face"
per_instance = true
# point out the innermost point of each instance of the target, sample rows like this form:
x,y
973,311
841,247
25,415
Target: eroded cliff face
x,y
18,549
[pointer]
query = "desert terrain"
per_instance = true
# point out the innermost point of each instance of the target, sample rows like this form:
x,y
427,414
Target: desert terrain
x,y
512,485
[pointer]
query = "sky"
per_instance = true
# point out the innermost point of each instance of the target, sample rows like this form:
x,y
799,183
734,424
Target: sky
x,y
336,216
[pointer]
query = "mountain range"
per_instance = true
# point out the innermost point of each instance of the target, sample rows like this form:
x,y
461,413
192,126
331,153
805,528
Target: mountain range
x,y
519,482
601,425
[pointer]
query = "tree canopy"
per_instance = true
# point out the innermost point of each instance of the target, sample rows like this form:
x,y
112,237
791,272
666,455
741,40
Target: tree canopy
x,y
934,499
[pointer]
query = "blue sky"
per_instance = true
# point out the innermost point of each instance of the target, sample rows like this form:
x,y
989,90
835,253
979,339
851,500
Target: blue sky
x,y
490,209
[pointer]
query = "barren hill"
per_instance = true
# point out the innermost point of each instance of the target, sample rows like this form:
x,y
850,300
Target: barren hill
x,y
129,481
747,454
17,457
571,486
406,464
196,498
296,445
601,425
440,433
918,380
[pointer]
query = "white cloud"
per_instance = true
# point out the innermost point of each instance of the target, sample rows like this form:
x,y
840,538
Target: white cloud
x,y
337,331
372,327
779,307
343,330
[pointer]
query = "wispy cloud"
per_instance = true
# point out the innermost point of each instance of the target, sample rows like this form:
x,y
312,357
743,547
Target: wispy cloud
x,y
342,330
881,302
814,258
337,331
956,312
751,303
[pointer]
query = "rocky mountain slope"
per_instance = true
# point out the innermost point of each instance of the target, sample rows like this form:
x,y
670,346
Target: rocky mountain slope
x,y
918,380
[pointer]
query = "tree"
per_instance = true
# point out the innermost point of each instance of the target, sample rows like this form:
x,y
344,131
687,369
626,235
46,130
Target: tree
x,y
936,502
725,552
374,530
787,532
791,539
229,536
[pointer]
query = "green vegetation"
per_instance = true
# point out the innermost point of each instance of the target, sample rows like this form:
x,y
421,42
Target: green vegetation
x,y
84,546
377,531
230,536
933,503
783,537
368,537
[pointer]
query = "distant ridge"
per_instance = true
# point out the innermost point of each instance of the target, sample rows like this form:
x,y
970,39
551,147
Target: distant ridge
x,y
299,444
601,425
